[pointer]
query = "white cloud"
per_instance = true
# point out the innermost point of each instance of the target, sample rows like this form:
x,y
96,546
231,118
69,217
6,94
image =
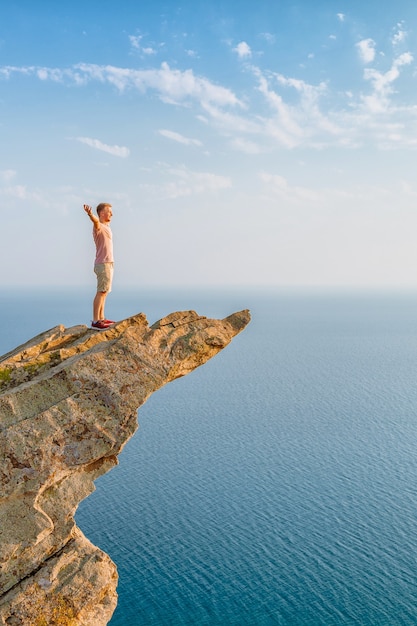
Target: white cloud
x,y
148,50
300,116
230,123
283,126
366,49
298,113
246,146
44,73
382,83
7,175
279,186
18,192
269,37
182,182
399,36
169,134
8,70
118,151
294,123
341,17
243,50
190,183
173,86
135,41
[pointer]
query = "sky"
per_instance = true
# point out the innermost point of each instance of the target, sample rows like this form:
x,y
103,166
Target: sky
x,y
240,143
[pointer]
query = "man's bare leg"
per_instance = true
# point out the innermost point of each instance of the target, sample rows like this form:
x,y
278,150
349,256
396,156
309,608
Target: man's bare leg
x,y
98,305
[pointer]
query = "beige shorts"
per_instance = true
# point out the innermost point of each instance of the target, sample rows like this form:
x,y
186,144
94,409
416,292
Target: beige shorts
x,y
104,272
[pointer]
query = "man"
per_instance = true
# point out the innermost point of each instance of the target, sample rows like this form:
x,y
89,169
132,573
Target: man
x,y
104,262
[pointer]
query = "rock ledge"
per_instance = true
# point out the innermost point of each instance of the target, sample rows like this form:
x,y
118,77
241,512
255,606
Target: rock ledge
x,y
68,404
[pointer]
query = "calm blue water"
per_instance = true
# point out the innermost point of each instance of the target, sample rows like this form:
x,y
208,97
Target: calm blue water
x,y
277,484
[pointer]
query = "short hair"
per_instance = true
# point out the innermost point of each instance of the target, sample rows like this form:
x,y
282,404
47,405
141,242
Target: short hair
x,y
102,206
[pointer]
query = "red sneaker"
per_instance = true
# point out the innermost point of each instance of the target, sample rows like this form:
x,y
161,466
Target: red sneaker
x,y
108,321
99,325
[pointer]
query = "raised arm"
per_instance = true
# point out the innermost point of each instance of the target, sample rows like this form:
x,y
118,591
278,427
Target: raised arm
x,y
91,215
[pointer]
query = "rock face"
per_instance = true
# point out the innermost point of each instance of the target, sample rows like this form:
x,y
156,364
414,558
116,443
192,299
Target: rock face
x,y
68,404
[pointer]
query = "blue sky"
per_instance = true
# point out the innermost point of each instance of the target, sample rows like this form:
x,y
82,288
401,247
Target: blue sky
x,y
240,143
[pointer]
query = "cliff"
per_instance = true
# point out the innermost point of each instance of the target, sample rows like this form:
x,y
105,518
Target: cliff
x,y
68,404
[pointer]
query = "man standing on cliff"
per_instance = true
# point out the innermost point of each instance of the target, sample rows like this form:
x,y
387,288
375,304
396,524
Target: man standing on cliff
x,y
104,262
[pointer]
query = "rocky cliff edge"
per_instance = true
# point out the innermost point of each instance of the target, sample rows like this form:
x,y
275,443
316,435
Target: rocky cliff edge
x,y
68,404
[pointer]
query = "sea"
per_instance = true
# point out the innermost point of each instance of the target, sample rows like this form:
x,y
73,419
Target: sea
x,y
276,485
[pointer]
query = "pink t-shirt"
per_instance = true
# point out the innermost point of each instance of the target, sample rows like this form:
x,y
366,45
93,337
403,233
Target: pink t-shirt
x,y
104,244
